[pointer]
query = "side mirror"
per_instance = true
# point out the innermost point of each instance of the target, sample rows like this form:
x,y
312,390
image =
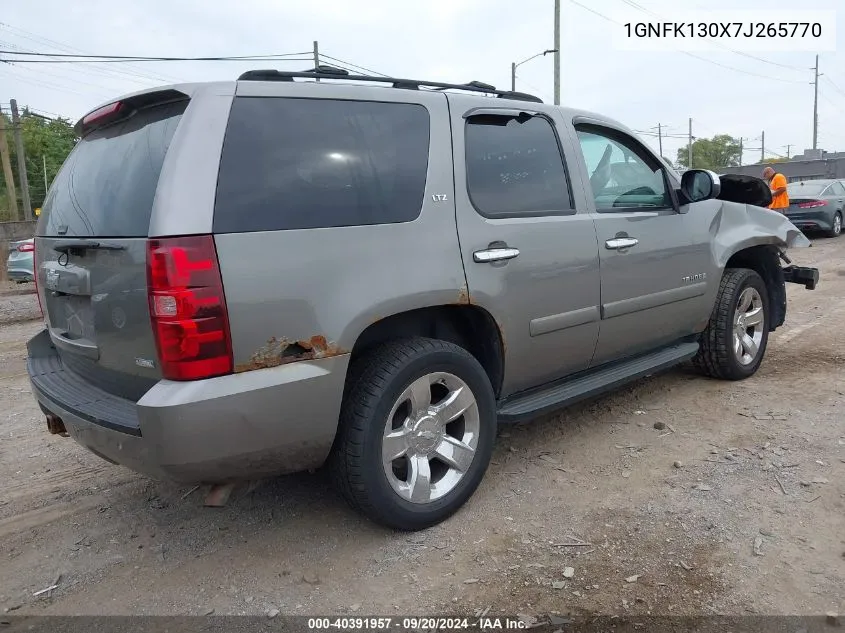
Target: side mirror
x,y
700,184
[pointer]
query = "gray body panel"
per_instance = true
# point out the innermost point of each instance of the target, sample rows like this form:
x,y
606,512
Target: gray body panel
x,y
564,306
545,300
96,309
266,422
184,202
334,282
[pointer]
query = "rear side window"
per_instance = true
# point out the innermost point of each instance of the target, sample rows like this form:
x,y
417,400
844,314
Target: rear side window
x,y
107,185
309,163
514,167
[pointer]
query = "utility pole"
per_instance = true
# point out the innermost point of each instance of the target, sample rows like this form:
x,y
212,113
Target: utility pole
x,y
740,151
660,138
557,52
788,148
44,162
513,76
316,57
16,123
689,147
816,104
7,169
763,146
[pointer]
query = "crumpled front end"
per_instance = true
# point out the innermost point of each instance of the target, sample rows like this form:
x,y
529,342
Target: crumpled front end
x,y
738,226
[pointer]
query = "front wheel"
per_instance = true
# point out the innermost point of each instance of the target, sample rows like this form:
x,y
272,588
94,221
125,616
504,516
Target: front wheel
x,y
416,432
734,342
836,226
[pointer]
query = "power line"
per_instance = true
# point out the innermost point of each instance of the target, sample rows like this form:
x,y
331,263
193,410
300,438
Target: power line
x,y
98,87
367,70
144,58
832,83
97,71
826,98
43,84
127,70
157,59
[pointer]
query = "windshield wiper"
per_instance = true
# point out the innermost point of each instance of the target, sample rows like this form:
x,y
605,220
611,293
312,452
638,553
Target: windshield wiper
x,y
84,245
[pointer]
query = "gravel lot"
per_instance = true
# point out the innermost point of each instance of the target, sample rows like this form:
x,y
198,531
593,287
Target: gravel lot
x,y
18,303
678,495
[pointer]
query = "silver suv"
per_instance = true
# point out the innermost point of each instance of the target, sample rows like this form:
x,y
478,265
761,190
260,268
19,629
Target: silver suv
x,y
262,276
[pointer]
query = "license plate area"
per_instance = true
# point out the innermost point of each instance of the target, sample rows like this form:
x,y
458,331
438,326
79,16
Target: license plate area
x,y
72,315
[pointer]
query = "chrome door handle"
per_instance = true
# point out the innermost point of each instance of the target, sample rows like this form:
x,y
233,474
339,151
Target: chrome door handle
x,y
621,242
495,255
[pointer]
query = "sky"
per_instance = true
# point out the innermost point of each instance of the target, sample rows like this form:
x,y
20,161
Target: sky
x,y
446,40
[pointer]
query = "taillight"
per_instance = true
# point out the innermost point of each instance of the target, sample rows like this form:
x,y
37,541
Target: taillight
x,y
35,279
188,308
26,248
811,204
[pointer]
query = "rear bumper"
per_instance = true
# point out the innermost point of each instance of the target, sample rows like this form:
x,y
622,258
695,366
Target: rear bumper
x,y
259,423
812,220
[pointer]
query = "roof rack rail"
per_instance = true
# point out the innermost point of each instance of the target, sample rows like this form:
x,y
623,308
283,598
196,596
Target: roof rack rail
x,y
330,72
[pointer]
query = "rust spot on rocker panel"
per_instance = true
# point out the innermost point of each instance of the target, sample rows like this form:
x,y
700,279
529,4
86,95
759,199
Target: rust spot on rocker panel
x,y
463,296
281,351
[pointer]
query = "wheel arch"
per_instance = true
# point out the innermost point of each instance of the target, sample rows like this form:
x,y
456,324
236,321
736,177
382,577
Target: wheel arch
x,y
471,327
765,261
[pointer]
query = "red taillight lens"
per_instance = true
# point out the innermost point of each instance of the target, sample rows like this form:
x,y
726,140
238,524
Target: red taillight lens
x,y
35,279
811,204
188,308
26,248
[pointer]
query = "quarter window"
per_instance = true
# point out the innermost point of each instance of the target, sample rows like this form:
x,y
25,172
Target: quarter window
x,y
308,163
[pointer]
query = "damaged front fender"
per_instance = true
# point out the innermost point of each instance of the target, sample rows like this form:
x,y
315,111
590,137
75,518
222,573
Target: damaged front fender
x,y
738,226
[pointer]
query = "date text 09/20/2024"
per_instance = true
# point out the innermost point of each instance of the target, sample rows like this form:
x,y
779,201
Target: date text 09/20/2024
x,y
416,623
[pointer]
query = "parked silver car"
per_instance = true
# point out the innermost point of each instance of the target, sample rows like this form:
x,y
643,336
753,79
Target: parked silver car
x,y
261,276
19,265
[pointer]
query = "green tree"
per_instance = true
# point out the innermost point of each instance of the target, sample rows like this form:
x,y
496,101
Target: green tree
x,y
714,153
47,143
770,161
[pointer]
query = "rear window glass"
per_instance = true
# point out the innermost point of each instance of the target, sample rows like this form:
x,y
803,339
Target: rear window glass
x,y
308,163
107,185
798,189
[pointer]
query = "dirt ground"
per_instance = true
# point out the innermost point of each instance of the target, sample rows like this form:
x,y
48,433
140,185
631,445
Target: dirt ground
x,y
750,521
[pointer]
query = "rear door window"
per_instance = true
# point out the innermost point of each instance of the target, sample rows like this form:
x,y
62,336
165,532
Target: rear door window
x,y
308,163
107,185
515,167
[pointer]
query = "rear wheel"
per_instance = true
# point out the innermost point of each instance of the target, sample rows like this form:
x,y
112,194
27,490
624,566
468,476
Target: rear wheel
x,y
734,342
836,226
416,432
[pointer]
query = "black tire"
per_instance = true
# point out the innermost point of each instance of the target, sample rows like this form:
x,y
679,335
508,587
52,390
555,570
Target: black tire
x,y
716,356
375,383
833,232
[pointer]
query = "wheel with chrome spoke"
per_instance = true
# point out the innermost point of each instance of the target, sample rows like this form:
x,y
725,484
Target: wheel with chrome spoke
x,y
734,342
430,437
416,433
835,226
749,325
